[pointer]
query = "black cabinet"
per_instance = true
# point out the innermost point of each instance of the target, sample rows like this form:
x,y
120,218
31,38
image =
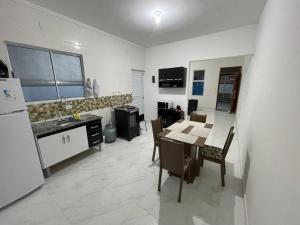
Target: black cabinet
x,y
169,116
94,132
172,77
127,122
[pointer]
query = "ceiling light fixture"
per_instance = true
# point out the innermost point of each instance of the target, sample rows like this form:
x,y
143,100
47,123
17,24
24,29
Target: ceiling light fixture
x,y
157,16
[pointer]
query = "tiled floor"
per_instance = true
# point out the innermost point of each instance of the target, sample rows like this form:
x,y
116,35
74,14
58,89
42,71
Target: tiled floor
x,y
224,106
118,186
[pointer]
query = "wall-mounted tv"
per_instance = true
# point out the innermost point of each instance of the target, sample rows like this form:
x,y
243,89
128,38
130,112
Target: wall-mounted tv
x,y
172,77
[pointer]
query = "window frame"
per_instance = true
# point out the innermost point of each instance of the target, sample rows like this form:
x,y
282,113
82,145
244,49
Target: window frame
x,y
56,82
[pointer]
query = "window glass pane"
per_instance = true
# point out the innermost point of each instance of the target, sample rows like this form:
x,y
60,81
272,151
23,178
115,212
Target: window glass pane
x,y
37,69
30,64
199,74
39,93
67,67
198,88
71,91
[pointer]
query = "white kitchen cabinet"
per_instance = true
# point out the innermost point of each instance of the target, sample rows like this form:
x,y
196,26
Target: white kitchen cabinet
x,y
58,147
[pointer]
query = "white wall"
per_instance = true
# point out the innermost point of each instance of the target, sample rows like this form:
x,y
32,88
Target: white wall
x,y
211,79
268,120
106,58
235,42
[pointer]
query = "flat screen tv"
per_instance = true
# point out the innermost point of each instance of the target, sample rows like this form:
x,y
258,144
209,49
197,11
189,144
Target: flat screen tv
x,y
172,77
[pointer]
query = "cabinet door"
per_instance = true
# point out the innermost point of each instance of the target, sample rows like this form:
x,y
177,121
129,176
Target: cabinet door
x,y
58,147
76,140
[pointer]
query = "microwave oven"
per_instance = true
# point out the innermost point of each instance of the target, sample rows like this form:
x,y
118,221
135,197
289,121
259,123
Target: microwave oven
x,y
165,105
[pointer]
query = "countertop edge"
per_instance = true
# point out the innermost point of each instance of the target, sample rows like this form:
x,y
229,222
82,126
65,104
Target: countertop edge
x,y
88,118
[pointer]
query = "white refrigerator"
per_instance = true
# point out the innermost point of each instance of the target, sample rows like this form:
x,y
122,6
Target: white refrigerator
x,y
20,168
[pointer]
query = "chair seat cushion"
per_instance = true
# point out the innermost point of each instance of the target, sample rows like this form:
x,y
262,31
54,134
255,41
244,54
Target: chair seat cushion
x,y
211,152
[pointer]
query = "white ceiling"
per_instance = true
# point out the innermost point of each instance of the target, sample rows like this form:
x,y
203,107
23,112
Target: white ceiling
x,y
181,19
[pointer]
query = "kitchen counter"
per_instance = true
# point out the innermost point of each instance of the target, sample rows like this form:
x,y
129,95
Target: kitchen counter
x,y
52,127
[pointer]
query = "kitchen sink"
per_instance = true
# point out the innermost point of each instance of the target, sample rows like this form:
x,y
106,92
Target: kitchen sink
x,y
47,127
52,124
65,123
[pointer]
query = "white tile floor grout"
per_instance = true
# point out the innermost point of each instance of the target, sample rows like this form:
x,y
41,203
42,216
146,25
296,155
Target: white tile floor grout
x,y
118,186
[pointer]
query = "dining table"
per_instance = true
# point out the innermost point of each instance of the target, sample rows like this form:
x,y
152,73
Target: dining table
x,y
193,134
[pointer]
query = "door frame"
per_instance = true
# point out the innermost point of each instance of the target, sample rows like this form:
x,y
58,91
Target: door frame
x,y
236,88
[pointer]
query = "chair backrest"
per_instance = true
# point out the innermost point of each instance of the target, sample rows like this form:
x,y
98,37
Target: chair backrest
x,y
198,118
228,142
171,155
192,105
156,128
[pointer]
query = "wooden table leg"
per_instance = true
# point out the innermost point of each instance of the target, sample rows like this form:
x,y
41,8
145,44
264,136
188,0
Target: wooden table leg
x,y
198,160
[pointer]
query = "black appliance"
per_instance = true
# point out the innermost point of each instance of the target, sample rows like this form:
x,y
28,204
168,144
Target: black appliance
x,y
164,105
192,105
3,70
172,77
127,121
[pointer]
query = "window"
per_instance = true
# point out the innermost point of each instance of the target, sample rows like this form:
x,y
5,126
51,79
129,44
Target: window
x,y
47,74
198,82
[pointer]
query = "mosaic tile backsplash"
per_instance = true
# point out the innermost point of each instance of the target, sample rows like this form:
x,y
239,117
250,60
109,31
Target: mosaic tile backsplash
x,y
43,111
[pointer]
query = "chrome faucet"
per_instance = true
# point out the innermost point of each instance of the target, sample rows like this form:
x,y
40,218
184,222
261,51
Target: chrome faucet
x,y
59,113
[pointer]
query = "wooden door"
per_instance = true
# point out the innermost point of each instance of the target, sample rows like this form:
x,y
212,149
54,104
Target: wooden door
x,y
228,88
137,82
235,92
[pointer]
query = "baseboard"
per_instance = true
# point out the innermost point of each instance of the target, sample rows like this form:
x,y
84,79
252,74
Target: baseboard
x,y
241,170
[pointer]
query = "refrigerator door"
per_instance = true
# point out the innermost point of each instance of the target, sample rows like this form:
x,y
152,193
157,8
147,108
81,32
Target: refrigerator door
x,y
20,168
11,96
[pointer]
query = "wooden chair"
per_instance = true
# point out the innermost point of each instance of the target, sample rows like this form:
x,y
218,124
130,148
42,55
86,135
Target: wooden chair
x,y
217,155
198,118
171,155
156,129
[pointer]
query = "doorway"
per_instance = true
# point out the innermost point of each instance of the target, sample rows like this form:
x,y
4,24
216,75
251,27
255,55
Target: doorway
x,y
137,83
228,88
